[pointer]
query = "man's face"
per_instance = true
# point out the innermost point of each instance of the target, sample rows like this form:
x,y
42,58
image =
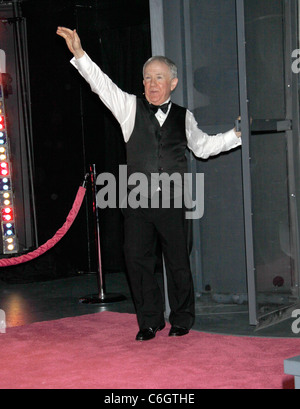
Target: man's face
x,y
158,83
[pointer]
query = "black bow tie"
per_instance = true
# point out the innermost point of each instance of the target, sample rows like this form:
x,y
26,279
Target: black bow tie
x,y
163,107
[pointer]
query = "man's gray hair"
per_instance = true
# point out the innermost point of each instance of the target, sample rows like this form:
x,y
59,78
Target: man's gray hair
x,y
172,66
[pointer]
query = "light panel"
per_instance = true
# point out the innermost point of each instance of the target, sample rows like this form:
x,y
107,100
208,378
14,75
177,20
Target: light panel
x,y
7,210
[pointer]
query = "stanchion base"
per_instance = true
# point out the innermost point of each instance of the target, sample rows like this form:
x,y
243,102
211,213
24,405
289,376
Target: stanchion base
x,y
104,299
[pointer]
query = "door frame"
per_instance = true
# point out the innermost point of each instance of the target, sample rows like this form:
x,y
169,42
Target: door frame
x,y
291,127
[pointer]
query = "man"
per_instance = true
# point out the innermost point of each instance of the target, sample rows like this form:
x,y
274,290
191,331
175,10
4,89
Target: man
x,y
157,133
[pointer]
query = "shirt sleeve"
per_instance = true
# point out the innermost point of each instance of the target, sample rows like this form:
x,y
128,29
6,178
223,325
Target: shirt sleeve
x,y
204,145
121,104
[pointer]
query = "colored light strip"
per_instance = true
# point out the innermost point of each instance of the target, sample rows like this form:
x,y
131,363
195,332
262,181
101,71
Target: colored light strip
x,y
7,210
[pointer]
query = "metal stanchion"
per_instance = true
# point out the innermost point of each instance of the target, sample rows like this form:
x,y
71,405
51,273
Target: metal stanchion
x,y
101,298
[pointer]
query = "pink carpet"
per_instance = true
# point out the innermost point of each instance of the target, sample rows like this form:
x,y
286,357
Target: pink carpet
x,y
99,351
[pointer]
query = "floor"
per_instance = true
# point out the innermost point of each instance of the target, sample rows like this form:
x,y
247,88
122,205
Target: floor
x,y
50,300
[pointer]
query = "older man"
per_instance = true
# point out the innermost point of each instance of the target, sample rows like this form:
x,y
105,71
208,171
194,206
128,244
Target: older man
x,y
157,133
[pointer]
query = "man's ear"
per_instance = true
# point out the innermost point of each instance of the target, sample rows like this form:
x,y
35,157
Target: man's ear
x,y
174,83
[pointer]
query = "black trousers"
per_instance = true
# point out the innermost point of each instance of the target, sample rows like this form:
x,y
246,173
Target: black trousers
x,y
143,228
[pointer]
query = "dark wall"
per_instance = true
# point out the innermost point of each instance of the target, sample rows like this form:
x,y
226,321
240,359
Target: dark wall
x,y
71,127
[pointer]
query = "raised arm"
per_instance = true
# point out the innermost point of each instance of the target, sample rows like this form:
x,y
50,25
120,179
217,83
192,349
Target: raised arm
x,y
72,40
121,104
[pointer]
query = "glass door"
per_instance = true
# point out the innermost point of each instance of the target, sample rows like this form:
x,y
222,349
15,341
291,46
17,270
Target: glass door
x,y
266,35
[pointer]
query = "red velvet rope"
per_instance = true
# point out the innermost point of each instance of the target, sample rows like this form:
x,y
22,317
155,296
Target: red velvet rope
x,y
5,262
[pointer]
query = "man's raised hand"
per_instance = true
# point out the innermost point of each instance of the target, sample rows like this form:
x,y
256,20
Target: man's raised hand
x,y
72,40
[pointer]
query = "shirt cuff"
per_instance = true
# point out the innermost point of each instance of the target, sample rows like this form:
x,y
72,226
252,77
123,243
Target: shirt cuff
x,y
231,140
81,62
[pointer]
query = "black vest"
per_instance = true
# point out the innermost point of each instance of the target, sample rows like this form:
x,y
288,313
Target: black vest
x,y
153,149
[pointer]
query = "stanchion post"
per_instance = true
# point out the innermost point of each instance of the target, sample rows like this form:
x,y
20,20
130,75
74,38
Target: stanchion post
x,y
102,297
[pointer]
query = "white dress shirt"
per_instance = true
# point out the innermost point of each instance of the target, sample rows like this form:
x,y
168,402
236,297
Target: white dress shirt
x,y
123,107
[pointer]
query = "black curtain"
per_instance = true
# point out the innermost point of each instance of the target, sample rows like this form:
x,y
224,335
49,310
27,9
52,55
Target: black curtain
x,y
119,41
72,128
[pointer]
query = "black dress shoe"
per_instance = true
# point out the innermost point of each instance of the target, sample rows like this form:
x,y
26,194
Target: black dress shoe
x,y
148,333
178,331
